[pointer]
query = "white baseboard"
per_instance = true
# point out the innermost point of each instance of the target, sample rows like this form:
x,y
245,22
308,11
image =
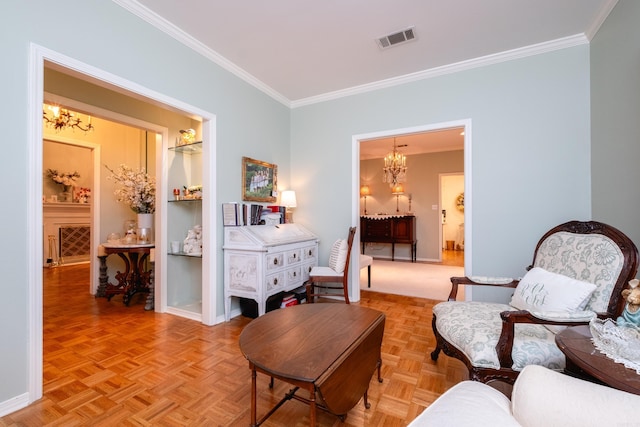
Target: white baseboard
x,y
13,404
234,313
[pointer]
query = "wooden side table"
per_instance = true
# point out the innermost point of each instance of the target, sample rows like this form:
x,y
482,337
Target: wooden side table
x,y
134,279
586,362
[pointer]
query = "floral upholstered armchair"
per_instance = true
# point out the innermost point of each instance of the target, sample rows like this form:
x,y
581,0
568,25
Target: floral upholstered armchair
x,y
579,271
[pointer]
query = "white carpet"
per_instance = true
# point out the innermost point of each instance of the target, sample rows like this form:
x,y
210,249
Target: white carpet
x,y
420,280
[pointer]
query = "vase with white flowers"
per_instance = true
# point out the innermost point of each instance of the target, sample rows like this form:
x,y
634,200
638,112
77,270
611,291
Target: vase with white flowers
x,y
66,179
138,191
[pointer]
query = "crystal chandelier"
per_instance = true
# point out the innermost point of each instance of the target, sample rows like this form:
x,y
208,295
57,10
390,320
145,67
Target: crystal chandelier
x,y
61,118
395,167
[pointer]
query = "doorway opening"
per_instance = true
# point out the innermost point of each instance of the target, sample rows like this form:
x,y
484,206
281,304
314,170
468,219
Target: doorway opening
x,y
369,149
40,59
452,214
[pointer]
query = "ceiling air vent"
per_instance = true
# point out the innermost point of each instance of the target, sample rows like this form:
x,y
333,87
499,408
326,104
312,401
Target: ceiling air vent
x,y
396,38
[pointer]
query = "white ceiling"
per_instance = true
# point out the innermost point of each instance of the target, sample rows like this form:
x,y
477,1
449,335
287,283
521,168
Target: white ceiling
x,y
299,51
303,48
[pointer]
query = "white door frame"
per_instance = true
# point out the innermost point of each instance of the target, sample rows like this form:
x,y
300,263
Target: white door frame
x,y
354,293
38,55
94,208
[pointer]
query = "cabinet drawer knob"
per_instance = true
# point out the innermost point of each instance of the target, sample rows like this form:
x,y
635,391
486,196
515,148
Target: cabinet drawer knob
x,y
275,261
275,281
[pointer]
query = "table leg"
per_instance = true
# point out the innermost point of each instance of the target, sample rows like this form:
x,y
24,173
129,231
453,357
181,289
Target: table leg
x,y
254,399
103,279
132,278
312,408
122,278
139,280
393,251
367,405
150,303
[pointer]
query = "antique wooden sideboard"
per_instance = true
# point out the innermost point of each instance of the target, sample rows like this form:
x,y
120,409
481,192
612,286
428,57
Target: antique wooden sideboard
x,y
389,229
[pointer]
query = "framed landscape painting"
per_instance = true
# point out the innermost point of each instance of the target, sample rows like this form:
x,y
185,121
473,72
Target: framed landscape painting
x,y
259,181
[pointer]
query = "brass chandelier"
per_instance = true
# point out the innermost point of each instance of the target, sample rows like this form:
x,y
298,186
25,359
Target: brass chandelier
x,y
61,118
395,167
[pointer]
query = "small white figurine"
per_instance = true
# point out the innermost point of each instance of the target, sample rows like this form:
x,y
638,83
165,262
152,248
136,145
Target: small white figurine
x,y
193,241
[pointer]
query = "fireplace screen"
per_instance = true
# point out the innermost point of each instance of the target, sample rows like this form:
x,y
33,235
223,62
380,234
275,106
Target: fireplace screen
x,y
75,240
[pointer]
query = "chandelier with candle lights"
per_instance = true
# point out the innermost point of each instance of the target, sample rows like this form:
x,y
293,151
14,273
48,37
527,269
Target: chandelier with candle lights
x,y
61,118
395,167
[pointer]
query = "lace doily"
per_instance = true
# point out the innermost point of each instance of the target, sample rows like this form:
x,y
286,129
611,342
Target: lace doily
x,y
620,343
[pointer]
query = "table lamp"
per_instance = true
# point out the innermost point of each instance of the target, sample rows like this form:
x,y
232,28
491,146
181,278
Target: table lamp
x,y
364,192
397,190
288,200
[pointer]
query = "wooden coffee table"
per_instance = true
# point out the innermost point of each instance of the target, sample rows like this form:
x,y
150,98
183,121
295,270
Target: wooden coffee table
x,y
329,350
587,362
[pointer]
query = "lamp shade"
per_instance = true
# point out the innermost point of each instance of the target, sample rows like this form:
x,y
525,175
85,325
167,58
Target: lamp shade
x,y
365,191
288,199
397,189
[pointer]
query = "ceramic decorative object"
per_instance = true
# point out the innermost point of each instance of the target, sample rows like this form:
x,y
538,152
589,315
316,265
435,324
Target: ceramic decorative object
x,y
130,232
193,241
67,194
187,137
145,227
631,313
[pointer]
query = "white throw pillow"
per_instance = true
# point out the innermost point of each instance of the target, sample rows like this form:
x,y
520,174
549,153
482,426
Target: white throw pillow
x,y
338,255
541,290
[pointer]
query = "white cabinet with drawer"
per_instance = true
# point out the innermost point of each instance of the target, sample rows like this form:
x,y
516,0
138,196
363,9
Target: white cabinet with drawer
x,y
262,260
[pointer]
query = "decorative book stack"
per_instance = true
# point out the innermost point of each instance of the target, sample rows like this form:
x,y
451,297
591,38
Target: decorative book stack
x,y
289,300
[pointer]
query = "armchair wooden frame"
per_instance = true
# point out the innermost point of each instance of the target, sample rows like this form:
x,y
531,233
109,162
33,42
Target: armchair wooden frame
x,y
510,318
316,282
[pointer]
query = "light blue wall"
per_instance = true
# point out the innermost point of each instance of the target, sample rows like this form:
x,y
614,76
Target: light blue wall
x,y
531,155
615,119
530,151
104,35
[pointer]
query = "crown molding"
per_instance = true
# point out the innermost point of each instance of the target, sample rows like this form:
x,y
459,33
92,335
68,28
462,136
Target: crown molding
x,y
483,61
178,34
600,18
167,27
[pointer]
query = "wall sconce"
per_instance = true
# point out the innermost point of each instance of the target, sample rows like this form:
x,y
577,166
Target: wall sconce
x,y
397,190
364,192
288,200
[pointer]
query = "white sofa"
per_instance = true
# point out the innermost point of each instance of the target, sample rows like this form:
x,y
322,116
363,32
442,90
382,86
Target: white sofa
x,y
540,398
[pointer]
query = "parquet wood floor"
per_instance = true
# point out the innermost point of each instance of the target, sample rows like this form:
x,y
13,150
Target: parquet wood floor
x,y
106,364
453,258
